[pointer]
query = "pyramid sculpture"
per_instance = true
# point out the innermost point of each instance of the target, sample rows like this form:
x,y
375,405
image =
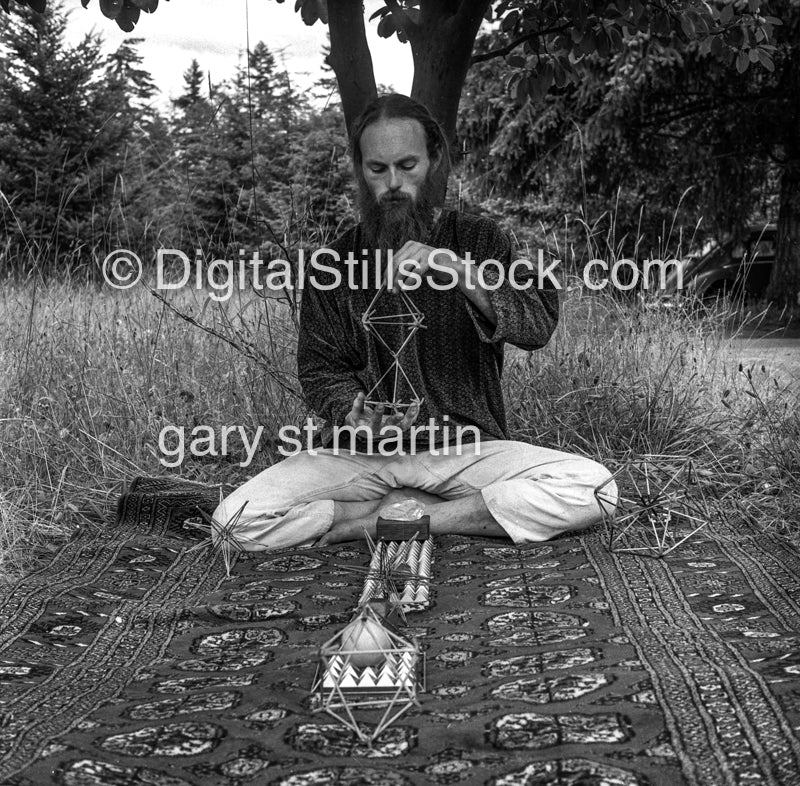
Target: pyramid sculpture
x,y
368,667
410,562
660,504
410,319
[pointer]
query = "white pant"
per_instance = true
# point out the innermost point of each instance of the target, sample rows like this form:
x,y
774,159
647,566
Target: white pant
x,y
534,493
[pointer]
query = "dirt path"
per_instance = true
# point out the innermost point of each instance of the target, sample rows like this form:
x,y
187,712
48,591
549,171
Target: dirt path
x,y
778,355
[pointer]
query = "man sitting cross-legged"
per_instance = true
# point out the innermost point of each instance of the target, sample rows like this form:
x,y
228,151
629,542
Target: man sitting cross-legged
x,y
473,479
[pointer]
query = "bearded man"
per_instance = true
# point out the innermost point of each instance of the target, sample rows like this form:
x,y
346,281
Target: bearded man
x,y
487,484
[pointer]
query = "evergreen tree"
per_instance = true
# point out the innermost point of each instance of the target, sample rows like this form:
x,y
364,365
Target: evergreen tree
x,y
64,129
207,186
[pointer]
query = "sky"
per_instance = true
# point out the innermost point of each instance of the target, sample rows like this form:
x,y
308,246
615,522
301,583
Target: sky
x,y
214,32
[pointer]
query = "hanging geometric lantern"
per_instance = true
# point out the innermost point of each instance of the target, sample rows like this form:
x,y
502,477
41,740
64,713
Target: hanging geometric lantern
x,y
410,319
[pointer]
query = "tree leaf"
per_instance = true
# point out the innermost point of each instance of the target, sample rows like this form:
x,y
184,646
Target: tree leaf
x,y
111,8
381,12
387,27
128,17
509,21
522,89
765,60
148,6
561,73
308,12
4,5
742,61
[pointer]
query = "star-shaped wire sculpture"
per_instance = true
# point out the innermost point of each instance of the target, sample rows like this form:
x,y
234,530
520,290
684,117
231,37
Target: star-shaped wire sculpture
x,y
658,505
222,540
411,319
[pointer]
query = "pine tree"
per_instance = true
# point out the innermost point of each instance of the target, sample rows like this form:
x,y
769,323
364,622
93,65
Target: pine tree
x,y
64,130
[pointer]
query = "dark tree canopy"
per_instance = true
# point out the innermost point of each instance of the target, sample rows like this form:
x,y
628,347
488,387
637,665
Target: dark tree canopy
x,y
543,45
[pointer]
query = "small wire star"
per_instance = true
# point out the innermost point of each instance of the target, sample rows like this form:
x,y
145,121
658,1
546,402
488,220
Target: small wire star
x,y
221,538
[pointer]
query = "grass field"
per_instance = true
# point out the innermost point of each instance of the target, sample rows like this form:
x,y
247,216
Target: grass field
x,y
94,375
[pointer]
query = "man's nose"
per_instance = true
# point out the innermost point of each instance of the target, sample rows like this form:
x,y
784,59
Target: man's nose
x,y
395,179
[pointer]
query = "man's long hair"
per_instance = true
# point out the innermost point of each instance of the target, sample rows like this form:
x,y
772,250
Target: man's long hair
x,y
395,219
394,106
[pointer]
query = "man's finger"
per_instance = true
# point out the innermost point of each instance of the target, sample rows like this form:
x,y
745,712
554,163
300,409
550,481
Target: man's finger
x,y
358,405
410,416
377,418
412,248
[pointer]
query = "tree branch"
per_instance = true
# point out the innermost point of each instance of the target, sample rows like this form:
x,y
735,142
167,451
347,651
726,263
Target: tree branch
x,y
503,50
510,47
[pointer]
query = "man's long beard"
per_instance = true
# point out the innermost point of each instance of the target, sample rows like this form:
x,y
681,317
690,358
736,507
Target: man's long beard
x,y
395,219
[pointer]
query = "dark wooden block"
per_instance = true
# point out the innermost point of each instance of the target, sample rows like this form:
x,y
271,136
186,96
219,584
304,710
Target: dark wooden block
x,y
403,530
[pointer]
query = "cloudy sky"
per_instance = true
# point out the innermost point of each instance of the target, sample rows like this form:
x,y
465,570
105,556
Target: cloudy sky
x,y
215,33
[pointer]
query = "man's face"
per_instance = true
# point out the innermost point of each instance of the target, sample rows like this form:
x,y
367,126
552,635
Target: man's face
x,y
395,183
394,158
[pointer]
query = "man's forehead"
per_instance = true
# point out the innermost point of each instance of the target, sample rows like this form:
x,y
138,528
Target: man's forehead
x,y
393,138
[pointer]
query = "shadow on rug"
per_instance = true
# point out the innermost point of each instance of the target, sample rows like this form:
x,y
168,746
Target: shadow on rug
x,y
131,659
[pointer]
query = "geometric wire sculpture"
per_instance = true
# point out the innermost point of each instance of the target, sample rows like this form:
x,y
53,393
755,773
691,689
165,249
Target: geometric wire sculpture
x,y
408,561
367,666
221,539
659,504
410,318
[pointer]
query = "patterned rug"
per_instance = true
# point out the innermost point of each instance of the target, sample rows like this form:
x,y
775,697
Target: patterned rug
x,y
130,659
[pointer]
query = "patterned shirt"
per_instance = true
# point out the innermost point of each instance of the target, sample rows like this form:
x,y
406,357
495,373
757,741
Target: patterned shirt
x,y
454,363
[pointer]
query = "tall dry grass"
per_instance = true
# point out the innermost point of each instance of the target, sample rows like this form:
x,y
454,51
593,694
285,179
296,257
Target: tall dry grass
x,y
622,380
92,376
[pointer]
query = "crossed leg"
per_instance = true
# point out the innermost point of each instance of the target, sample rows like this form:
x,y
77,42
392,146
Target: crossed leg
x,y
465,516
508,488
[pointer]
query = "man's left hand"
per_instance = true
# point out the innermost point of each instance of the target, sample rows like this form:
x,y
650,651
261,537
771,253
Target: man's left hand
x,y
412,263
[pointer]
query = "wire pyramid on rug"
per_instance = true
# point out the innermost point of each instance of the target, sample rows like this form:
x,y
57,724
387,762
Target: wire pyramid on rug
x,y
368,666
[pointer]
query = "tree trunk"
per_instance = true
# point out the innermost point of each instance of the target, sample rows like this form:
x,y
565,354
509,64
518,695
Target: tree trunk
x,y
441,46
784,283
350,58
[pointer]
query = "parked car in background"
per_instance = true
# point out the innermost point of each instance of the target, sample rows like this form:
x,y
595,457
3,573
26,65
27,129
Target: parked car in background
x,y
739,270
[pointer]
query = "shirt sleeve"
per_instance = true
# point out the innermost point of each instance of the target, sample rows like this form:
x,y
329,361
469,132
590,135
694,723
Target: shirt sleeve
x,y
526,314
328,366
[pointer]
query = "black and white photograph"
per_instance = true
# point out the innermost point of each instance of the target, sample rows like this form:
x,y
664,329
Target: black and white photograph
x,y
400,392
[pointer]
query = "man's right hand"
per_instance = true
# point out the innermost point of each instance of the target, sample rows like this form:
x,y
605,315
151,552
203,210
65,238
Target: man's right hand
x,y
372,421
